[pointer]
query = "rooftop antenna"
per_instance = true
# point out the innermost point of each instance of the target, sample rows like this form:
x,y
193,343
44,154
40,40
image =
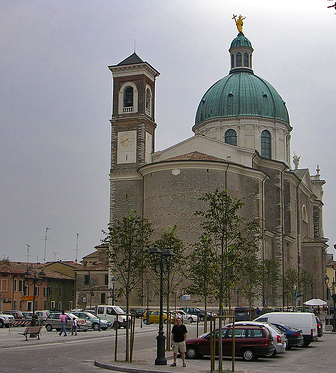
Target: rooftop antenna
x,y
28,246
45,244
55,252
77,247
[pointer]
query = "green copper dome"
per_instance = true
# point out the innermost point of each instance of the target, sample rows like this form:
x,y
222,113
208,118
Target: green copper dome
x,y
241,41
241,94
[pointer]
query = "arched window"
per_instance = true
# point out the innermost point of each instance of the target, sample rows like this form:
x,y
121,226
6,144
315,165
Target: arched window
x,y
148,99
128,97
304,214
238,59
266,144
231,137
246,59
232,61
230,104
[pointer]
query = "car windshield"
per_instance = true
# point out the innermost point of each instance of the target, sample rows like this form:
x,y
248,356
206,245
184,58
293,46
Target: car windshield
x,y
281,327
72,316
119,310
90,315
276,328
290,327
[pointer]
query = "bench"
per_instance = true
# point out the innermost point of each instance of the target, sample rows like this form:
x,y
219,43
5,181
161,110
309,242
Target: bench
x,y
34,331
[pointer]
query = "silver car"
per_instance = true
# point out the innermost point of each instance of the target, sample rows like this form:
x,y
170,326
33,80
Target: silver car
x,y
54,322
6,320
96,323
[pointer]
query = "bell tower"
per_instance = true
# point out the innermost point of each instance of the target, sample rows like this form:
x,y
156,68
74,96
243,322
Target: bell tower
x,y
132,131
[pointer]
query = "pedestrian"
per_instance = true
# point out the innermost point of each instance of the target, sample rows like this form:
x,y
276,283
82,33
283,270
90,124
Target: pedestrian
x,y
63,318
74,326
178,338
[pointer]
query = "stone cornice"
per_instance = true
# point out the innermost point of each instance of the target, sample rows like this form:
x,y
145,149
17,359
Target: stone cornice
x,y
136,69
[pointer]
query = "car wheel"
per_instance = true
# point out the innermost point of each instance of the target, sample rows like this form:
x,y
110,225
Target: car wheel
x,y
95,326
201,318
271,354
249,354
301,344
192,352
48,328
165,321
1,324
190,320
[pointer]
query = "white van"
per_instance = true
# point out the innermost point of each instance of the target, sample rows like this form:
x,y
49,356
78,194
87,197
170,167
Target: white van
x,y
113,313
305,321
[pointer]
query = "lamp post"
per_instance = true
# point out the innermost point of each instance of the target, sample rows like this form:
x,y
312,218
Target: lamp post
x,y
333,295
113,281
160,351
147,308
36,280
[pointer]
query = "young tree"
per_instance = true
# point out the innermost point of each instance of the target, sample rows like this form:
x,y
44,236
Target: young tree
x,y
270,281
201,268
290,286
306,285
250,282
128,241
174,267
230,236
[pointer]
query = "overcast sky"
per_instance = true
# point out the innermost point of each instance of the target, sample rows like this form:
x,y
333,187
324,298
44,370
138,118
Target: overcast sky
x,y
55,99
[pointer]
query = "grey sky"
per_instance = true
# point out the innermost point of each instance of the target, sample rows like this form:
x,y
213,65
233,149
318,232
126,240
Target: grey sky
x,y
55,99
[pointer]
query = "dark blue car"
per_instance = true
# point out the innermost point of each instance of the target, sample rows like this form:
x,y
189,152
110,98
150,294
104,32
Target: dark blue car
x,y
294,335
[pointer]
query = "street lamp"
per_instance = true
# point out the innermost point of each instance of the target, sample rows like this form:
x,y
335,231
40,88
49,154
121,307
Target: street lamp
x,y
36,280
157,253
147,309
333,295
113,281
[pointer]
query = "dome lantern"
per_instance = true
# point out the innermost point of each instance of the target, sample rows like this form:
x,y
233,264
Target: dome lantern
x,y
241,54
241,49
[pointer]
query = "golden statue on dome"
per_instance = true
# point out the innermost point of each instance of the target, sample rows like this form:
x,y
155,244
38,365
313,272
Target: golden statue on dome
x,y
239,22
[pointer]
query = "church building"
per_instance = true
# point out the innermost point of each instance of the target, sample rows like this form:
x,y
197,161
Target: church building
x,y
241,143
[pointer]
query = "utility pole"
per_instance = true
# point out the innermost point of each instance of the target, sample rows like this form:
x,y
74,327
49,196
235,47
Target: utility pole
x,y
45,244
77,247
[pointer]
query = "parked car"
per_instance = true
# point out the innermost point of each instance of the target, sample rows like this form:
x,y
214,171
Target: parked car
x,y
294,335
244,313
6,320
279,338
187,316
194,311
18,315
42,316
28,315
305,321
54,322
139,312
154,317
251,342
96,322
115,314
319,327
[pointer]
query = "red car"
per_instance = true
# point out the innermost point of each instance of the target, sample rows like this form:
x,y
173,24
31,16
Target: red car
x,y
251,342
